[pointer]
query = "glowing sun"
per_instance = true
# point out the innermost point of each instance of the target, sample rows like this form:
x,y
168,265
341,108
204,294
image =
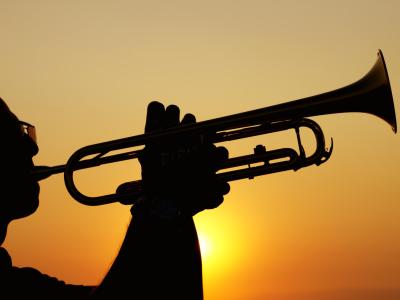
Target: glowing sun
x,y
205,246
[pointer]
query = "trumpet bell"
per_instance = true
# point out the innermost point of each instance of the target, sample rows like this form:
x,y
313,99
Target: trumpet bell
x,y
373,94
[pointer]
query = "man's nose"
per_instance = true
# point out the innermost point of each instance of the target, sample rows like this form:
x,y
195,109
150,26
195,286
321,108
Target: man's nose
x,y
31,146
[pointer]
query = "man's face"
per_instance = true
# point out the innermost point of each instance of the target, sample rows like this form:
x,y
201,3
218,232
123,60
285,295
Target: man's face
x,y
19,191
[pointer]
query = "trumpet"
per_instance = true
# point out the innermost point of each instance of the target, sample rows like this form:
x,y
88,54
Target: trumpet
x,y
371,94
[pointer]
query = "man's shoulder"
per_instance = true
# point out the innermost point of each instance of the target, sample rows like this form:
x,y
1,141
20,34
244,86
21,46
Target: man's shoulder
x,y
5,260
27,281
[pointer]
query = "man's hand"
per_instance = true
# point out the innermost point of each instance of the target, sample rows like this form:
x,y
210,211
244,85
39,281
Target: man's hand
x,y
179,174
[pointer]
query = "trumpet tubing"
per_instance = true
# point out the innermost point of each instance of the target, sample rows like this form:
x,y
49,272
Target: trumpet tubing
x,y
371,94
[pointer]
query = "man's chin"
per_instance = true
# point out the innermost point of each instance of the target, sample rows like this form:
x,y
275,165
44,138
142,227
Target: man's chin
x,y
27,211
29,201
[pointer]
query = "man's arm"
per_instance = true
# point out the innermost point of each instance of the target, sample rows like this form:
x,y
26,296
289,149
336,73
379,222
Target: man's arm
x,y
160,256
159,259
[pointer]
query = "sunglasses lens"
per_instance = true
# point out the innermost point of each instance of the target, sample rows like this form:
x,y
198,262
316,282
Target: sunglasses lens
x,y
29,130
32,133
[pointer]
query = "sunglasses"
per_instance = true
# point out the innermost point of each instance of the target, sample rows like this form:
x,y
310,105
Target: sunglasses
x,y
29,130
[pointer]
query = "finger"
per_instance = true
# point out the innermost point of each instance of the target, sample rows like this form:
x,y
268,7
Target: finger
x,y
216,201
222,154
224,187
155,116
171,116
188,119
216,196
217,156
193,139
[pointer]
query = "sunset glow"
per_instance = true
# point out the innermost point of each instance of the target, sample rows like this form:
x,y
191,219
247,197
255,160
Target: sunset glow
x,y
84,71
205,247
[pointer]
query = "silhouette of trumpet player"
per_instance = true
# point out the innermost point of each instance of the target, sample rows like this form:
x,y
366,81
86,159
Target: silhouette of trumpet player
x,y
160,255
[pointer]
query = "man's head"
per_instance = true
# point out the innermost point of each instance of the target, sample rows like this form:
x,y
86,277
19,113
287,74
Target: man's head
x,y
19,191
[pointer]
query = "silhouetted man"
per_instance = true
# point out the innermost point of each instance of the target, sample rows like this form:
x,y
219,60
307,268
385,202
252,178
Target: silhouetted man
x,y
160,256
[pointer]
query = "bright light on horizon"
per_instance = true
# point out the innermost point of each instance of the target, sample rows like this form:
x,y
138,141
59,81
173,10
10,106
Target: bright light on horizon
x,y
205,246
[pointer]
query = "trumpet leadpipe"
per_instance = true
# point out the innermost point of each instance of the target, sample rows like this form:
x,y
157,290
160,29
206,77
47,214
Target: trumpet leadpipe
x,y
43,172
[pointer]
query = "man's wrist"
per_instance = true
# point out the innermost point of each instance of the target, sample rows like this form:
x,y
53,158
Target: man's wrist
x,y
154,207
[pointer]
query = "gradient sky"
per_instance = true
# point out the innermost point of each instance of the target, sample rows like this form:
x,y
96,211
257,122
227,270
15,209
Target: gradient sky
x,y
84,71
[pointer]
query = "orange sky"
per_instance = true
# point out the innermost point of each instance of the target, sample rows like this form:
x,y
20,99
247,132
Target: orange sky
x,y
84,71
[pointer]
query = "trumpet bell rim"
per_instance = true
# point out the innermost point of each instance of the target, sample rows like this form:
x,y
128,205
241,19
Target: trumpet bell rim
x,y
391,118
